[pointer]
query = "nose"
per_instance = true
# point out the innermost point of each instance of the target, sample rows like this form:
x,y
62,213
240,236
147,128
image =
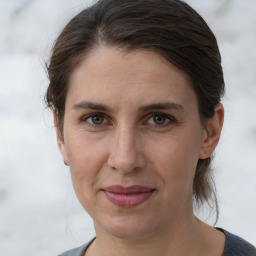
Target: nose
x,y
125,154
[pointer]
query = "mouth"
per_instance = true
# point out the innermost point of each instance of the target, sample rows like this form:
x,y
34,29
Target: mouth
x,y
128,197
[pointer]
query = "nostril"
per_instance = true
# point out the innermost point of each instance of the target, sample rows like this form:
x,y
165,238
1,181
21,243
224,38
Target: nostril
x,y
125,152
126,162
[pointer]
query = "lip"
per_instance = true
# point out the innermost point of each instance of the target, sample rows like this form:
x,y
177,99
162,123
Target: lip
x,y
127,197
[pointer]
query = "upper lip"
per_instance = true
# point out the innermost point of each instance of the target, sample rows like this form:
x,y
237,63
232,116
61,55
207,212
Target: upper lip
x,y
118,189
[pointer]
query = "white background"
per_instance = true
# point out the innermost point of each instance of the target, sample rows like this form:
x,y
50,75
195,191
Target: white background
x,y
39,213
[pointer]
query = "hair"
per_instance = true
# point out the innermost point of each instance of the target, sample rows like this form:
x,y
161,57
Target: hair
x,y
169,27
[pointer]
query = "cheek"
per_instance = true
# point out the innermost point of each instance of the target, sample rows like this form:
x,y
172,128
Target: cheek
x,y
177,174
85,160
84,168
176,160
178,156
84,155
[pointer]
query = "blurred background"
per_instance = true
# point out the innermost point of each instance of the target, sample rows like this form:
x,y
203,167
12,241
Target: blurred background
x,y
39,213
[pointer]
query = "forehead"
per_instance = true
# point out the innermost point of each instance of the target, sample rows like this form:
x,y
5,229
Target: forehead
x,y
112,75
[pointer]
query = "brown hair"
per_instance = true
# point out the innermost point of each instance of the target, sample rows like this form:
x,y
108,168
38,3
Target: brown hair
x,y
169,27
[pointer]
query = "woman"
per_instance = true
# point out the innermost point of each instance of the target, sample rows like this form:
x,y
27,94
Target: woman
x,y
135,88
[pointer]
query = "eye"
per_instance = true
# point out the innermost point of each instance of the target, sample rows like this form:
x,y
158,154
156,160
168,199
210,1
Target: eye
x,y
160,119
95,119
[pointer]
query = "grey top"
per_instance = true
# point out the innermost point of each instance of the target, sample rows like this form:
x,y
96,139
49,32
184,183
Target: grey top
x,y
234,246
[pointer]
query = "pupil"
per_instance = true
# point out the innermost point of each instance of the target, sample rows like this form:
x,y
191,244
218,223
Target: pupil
x,y
97,119
159,119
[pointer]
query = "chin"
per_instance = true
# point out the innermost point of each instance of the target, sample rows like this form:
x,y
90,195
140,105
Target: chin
x,y
130,228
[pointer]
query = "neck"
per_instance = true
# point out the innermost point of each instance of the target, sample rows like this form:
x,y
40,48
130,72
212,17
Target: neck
x,y
181,239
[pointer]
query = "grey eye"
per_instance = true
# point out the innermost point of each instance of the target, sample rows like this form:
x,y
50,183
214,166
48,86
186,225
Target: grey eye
x,y
97,119
159,119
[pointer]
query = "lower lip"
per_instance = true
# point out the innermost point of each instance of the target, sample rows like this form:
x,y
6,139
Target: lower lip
x,y
128,200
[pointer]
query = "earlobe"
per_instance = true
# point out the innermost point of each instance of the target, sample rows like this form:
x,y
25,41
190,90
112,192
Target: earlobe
x,y
60,140
212,132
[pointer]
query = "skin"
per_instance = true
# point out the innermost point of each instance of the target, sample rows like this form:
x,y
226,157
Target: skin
x,y
131,142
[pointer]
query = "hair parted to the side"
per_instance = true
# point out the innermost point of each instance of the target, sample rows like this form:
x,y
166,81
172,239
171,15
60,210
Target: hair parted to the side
x,y
169,27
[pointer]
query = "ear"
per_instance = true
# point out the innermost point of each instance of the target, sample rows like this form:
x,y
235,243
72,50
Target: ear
x,y
60,140
212,132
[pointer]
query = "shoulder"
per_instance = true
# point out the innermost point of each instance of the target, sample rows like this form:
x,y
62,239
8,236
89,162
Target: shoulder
x,y
79,251
237,246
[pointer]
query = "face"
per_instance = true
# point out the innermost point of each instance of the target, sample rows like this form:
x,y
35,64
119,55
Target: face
x,y
132,137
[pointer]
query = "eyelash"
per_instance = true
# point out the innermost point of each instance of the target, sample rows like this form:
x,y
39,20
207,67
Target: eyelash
x,y
168,120
87,117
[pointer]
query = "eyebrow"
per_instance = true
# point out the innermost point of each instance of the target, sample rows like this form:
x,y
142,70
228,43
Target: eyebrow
x,y
162,106
154,106
91,105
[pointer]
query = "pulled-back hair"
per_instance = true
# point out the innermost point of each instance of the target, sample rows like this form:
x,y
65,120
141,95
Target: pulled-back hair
x,y
169,27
